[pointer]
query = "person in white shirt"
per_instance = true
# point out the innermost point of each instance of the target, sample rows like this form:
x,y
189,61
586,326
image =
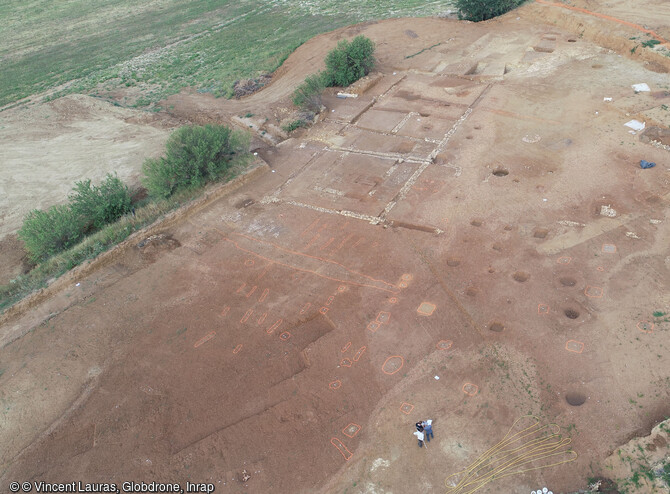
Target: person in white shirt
x,y
428,429
419,436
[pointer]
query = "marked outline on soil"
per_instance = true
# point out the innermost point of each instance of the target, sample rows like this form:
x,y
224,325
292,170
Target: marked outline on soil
x,y
387,287
574,346
351,430
470,389
390,359
204,339
341,448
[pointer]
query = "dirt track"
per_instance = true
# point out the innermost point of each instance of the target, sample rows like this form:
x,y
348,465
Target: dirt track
x,y
445,223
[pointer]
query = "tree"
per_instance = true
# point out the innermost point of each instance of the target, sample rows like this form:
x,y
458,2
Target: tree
x,y
45,233
194,155
349,61
307,95
481,10
100,205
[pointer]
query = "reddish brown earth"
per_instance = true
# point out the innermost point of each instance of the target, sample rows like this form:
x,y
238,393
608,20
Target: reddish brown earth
x,y
446,223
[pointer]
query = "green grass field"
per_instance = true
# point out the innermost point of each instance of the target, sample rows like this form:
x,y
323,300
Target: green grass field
x,y
161,46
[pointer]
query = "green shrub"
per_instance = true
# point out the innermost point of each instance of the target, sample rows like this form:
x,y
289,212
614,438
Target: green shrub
x,y
349,61
194,155
49,232
46,233
650,43
307,95
89,247
481,10
100,205
296,124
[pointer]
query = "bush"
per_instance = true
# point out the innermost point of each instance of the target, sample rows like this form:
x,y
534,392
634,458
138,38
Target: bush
x,y
89,247
481,10
46,233
651,43
349,61
296,124
99,206
307,96
194,156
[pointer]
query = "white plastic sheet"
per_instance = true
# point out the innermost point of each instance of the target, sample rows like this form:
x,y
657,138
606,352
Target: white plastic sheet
x,y
635,124
643,87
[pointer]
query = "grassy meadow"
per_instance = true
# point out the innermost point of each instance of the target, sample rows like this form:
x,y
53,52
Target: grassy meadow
x,y
161,46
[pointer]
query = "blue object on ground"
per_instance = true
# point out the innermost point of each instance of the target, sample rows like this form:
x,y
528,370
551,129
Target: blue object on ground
x,y
646,164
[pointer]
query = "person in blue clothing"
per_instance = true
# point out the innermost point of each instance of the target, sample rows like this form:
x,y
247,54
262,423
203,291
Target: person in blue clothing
x,y
428,429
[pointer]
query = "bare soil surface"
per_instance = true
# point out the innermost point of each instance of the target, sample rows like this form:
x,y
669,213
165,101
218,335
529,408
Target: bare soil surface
x,y
433,249
46,148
